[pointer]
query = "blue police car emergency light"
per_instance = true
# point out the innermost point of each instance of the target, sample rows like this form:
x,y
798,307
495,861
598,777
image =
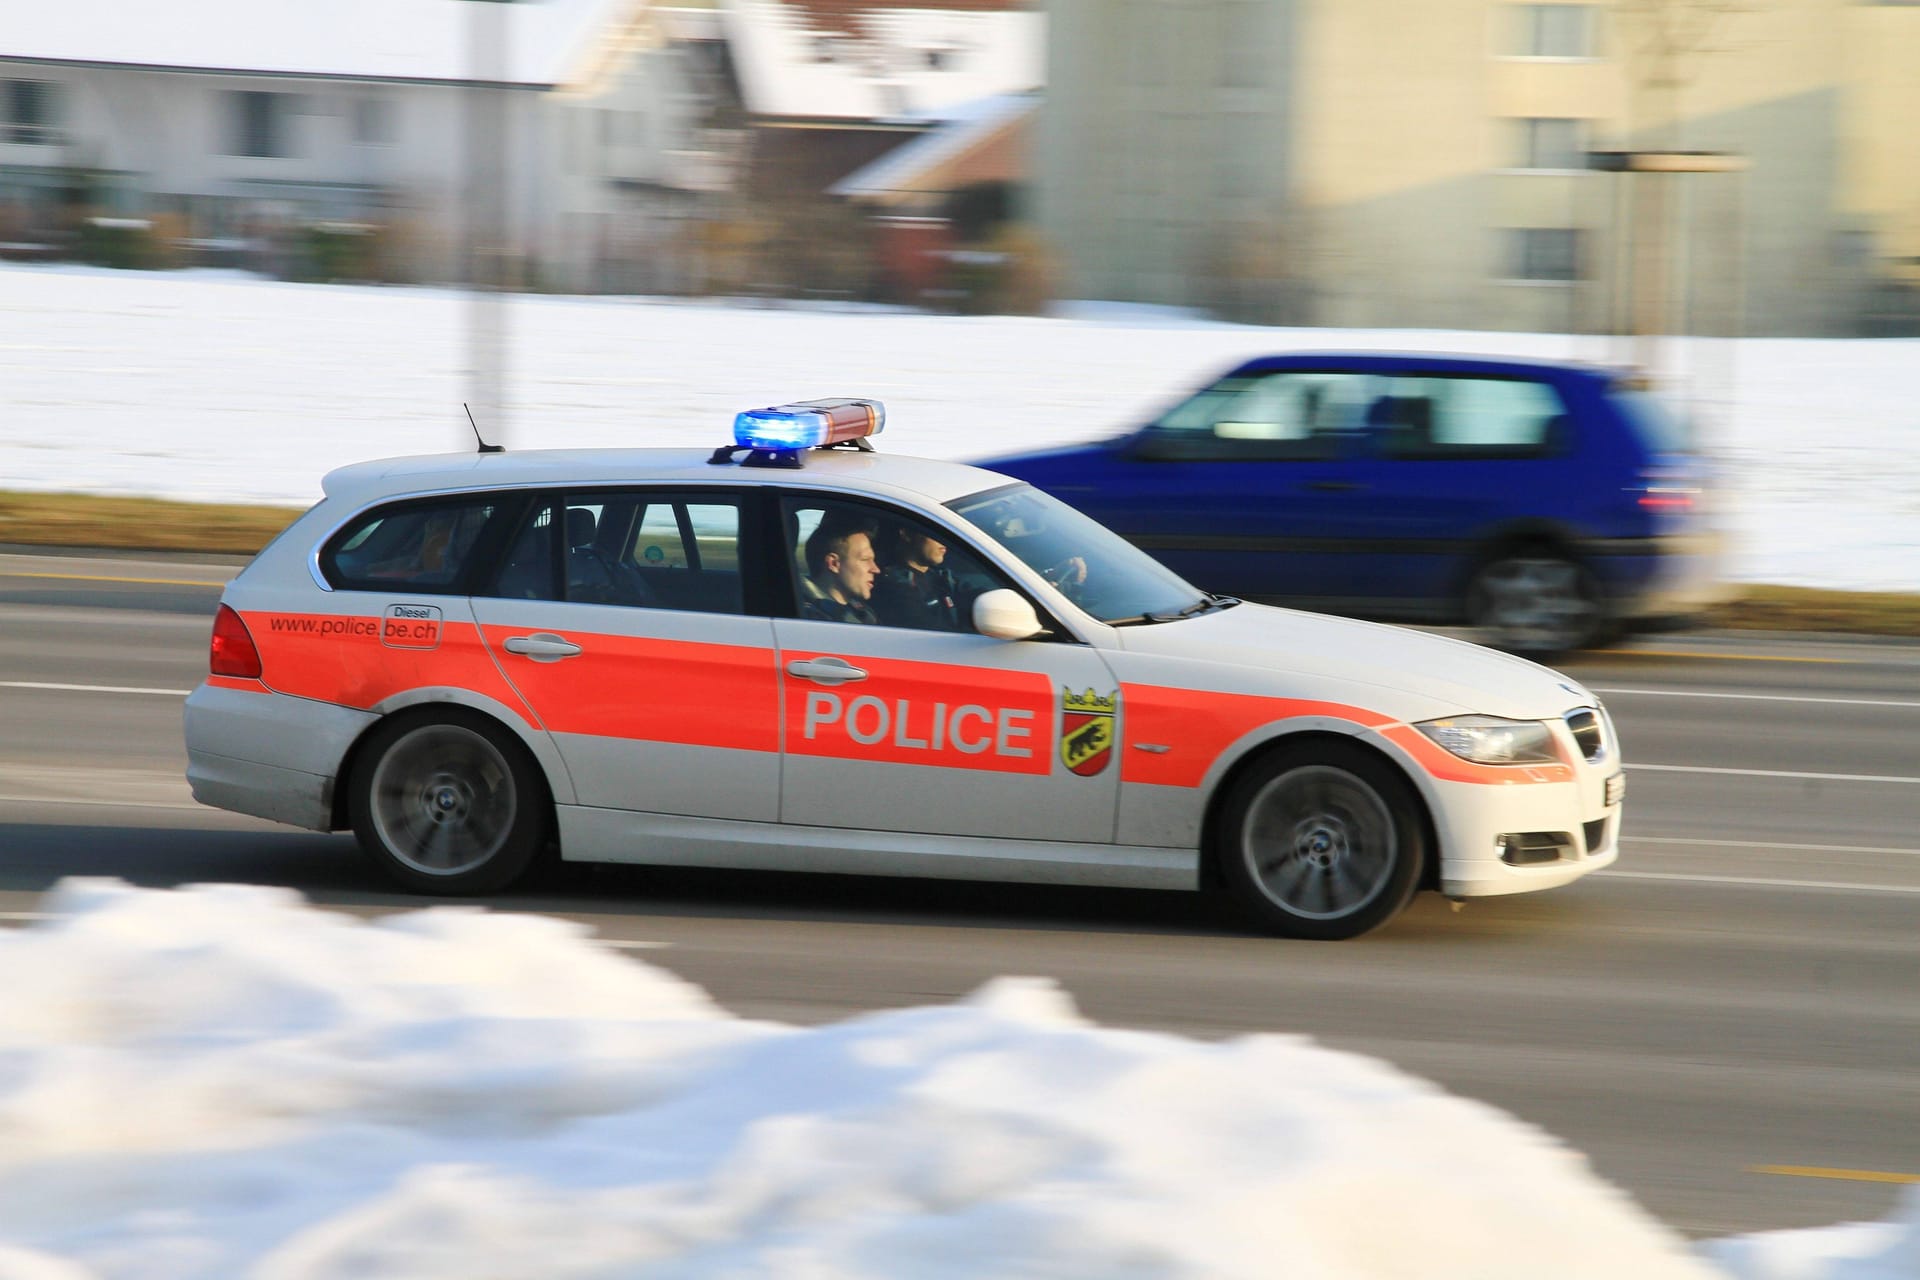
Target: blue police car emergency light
x,y
808,424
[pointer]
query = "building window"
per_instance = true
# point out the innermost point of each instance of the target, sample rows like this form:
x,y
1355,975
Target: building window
x,y
1553,31
373,121
29,106
261,123
1549,142
1543,253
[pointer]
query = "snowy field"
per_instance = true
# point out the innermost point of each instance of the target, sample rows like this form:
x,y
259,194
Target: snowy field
x,y
229,388
223,1082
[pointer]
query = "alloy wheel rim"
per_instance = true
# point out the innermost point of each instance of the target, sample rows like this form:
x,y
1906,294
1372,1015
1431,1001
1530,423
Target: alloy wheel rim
x,y
1536,603
1319,842
443,800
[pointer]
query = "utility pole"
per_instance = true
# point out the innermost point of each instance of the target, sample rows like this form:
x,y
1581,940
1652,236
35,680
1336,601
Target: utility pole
x,y
486,232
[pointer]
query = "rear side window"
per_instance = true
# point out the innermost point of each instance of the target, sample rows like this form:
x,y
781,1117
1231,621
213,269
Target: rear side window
x,y
1663,429
635,548
420,548
1468,418
1289,414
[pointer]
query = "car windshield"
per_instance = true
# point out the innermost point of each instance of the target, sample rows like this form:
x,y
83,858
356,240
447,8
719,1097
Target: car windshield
x,y
1096,568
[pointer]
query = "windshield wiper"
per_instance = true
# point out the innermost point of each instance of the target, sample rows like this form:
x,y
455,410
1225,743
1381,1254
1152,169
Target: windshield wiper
x,y
1206,604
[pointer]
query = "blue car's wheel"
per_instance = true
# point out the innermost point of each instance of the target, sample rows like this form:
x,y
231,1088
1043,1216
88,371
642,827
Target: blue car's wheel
x,y
1536,602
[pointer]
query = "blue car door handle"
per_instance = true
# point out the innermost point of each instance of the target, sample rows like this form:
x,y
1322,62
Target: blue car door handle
x,y
1333,486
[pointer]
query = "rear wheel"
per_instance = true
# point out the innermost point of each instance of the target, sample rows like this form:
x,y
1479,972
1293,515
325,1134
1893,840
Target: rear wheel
x,y
450,803
1535,601
1322,840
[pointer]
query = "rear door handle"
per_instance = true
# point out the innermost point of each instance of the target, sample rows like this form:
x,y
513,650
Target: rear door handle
x,y
542,646
826,670
1333,486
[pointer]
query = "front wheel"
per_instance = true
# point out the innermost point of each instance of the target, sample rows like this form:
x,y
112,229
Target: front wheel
x,y
1322,841
449,804
1535,602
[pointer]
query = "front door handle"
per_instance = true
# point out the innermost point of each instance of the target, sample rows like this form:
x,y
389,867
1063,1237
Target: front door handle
x,y
1332,486
542,646
826,670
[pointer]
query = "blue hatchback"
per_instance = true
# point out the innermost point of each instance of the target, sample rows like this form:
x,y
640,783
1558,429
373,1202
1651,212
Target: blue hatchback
x,y
1548,505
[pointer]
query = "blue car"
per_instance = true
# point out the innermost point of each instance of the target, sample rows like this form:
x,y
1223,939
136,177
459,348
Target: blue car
x,y
1550,506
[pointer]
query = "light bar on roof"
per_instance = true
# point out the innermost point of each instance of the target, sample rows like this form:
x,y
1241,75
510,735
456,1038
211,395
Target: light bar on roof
x,y
809,424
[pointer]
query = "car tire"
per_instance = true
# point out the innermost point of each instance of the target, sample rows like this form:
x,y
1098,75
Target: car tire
x,y
1536,602
1322,840
449,803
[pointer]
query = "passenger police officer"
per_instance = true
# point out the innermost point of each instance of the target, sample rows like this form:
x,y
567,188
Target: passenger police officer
x,y
841,568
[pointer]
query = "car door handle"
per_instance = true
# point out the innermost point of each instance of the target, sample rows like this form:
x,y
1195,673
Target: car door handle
x,y
542,646
1333,486
826,670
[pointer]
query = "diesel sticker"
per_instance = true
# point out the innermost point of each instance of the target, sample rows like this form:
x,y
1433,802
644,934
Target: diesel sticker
x,y
411,626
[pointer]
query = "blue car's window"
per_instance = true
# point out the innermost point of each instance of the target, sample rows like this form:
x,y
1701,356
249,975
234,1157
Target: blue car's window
x,y
1664,430
1093,566
1457,417
1287,414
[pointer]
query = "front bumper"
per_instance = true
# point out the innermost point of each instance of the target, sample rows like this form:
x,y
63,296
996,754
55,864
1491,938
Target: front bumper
x,y
1574,830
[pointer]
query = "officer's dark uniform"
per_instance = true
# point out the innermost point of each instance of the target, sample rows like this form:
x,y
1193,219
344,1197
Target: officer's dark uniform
x,y
926,599
824,608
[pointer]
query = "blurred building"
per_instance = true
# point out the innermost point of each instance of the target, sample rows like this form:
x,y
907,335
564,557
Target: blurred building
x,y
550,137
1378,163
586,145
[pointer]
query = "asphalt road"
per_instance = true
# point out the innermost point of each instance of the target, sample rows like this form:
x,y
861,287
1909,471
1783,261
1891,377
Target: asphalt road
x,y
1727,1023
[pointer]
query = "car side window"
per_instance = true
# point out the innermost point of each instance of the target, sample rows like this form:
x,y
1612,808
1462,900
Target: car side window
x,y
1468,418
420,548
528,569
1289,414
640,549
866,564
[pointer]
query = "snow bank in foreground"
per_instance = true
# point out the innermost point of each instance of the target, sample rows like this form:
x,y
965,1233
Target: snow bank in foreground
x,y
222,1081
228,388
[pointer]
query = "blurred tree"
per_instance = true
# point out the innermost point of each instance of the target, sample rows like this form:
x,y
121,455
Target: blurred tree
x,y
1668,45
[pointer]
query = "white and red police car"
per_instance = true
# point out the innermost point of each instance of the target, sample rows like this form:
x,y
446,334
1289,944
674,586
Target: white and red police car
x,y
798,653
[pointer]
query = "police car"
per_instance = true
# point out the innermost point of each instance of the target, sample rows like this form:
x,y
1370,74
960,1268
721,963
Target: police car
x,y
798,653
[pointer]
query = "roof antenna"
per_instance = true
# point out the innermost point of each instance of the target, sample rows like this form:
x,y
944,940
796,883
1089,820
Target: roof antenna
x,y
484,446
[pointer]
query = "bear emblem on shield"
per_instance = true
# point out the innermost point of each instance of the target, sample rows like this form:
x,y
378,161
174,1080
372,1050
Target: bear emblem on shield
x,y
1086,730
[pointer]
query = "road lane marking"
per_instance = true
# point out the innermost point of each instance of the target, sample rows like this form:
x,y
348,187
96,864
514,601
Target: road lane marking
x,y
1718,657
97,803
1757,697
1843,1175
1757,882
90,688
1770,844
108,577
622,944
1775,773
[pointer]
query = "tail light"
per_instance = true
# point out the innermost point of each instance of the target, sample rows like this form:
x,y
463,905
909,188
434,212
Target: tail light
x,y
1662,492
232,652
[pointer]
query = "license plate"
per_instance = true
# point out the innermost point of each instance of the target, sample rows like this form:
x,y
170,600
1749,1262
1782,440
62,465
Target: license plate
x,y
1616,789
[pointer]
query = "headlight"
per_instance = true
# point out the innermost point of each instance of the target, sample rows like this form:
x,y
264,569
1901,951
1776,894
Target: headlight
x,y
1491,740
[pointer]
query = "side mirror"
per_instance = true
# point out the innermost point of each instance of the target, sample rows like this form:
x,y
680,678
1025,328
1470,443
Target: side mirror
x,y
1005,614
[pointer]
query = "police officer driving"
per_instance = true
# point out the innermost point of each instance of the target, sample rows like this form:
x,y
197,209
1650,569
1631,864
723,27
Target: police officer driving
x,y
917,589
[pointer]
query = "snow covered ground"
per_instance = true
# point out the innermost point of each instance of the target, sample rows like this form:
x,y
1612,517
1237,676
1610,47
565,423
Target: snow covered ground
x,y
226,388
224,1082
